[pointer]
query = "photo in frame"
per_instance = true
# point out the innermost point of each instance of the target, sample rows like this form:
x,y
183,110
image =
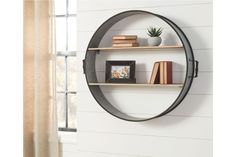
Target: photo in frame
x,y
120,71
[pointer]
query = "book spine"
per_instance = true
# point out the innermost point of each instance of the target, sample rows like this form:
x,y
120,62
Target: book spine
x,y
154,76
161,72
157,75
151,81
165,72
169,79
126,41
124,37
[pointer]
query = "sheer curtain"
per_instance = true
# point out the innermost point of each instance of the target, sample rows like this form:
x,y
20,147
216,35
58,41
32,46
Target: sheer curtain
x,y
40,121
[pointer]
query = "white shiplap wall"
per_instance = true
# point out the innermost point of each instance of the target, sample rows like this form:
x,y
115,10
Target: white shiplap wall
x,y
186,131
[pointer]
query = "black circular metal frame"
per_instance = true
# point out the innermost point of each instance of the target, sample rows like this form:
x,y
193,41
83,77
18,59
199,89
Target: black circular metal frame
x,y
90,73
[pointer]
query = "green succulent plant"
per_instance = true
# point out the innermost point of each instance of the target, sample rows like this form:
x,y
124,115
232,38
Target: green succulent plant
x,y
154,32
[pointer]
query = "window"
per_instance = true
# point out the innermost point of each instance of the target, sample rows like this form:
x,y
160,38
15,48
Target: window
x,y
65,13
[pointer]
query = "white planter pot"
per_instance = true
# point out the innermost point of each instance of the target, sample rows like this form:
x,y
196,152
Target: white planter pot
x,y
154,41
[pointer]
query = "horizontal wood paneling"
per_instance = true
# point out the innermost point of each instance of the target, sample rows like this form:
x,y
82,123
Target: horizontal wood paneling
x,y
86,5
144,145
82,153
68,147
69,154
203,17
195,105
171,126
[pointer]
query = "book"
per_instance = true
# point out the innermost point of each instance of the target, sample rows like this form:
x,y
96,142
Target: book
x,y
126,45
125,41
155,77
124,37
168,72
162,72
165,72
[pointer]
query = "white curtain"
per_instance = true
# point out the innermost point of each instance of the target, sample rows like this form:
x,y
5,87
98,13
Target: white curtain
x,y
40,120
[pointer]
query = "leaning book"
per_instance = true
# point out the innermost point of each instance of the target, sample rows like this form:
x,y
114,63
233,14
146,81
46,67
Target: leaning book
x,y
155,76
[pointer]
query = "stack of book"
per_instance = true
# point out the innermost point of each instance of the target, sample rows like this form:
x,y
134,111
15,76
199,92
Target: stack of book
x,y
161,73
124,41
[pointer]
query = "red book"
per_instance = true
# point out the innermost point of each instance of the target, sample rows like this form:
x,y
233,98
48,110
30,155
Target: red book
x,y
168,72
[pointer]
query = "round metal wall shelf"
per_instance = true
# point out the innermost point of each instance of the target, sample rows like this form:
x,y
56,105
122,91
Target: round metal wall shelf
x,y
90,73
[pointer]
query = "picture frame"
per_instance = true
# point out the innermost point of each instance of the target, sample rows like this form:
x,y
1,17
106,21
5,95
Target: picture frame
x,y
122,71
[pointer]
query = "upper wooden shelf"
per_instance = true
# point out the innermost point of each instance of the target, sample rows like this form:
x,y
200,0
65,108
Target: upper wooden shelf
x,y
135,48
136,84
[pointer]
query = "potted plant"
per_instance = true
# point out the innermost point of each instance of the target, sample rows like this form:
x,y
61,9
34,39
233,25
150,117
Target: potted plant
x,y
154,36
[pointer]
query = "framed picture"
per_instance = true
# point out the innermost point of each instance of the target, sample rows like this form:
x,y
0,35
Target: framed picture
x,y
120,72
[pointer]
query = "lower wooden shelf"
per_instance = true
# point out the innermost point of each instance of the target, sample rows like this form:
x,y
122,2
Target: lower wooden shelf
x,y
136,84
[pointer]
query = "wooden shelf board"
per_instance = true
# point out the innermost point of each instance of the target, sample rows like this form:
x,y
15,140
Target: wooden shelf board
x,y
136,48
136,84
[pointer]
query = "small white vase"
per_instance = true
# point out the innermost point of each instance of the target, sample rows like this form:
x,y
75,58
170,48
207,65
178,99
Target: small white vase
x,y
154,41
